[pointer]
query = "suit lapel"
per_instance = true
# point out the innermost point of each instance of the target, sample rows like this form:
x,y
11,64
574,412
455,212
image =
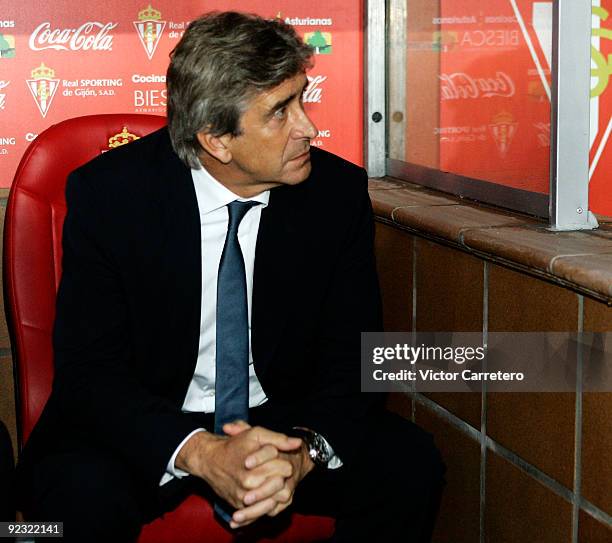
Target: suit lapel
x,y
276,268
182,265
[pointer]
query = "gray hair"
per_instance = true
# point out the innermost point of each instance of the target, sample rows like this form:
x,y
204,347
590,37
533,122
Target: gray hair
x,y
221,62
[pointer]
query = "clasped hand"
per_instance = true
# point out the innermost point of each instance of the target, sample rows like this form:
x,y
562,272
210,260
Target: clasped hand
x,y
254,469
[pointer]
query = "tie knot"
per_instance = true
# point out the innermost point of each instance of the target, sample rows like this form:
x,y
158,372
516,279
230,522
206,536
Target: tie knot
x,y
237,210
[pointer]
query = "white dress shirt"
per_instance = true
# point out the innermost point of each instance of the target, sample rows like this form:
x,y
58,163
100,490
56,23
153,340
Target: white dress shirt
x,y
213,198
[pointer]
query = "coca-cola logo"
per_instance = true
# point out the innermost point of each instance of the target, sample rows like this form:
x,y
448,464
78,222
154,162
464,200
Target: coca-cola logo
x,y
314,92
461,86
89,36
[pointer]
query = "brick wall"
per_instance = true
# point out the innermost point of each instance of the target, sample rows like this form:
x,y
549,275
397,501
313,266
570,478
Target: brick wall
x,y
521,467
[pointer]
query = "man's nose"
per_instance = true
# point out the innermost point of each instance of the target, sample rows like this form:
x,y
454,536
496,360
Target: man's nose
x,y
304,127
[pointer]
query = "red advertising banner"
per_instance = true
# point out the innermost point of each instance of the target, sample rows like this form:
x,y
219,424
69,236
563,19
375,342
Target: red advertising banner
x,y
600,188
69,58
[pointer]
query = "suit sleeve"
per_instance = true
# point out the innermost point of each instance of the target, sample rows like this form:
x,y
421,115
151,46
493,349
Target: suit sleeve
x,y
95,384
337,408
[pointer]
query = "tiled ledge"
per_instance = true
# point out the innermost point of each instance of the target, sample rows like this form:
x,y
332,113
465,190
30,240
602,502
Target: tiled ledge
x,y
581,261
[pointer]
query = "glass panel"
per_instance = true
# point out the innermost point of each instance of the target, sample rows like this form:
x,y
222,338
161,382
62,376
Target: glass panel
x,y
470,89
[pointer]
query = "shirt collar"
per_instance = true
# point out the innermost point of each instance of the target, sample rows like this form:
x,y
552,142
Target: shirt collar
x,y
213,195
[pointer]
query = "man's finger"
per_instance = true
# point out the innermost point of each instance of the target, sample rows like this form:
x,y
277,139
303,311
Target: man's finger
x,y
236,427
254,478
281,441
281,506
265,454
291,444
252,512
235,525
269,488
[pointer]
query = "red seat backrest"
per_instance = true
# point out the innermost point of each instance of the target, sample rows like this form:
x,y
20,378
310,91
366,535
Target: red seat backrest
x,y
33,242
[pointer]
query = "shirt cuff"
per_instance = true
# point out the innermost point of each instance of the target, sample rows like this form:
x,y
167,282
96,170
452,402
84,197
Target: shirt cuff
x,y
171,470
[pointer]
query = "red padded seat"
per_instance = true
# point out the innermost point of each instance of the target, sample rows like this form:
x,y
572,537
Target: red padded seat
x,y
32,269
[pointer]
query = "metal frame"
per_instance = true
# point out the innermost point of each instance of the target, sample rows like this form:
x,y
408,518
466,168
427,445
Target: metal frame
x,y
396,72
569,150
376,79
567,206
533,203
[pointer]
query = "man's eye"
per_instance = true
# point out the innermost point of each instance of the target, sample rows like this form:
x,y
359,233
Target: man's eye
x,y
280,113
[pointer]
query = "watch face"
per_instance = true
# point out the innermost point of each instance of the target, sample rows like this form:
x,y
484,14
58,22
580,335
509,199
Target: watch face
x,y
318,449
322,452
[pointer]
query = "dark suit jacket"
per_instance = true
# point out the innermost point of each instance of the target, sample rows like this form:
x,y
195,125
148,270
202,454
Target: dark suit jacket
x,y
128,308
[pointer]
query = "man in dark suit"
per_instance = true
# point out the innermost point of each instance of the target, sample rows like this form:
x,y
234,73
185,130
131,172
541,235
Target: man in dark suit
x,y
214,273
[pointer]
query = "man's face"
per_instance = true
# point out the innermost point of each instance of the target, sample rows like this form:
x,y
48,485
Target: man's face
x,y
274,146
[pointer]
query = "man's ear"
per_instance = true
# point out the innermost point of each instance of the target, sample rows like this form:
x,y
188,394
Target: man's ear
x,y
217,146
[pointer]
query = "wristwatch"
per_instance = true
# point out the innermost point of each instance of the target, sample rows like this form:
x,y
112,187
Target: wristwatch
x,y
318,449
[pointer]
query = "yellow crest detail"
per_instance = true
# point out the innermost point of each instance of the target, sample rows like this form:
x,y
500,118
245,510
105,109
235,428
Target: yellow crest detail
x,y
43,72
121,138
149,14
503,117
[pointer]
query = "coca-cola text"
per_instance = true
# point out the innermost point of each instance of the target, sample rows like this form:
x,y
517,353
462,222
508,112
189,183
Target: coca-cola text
x,y
313,92
90,35
461,86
